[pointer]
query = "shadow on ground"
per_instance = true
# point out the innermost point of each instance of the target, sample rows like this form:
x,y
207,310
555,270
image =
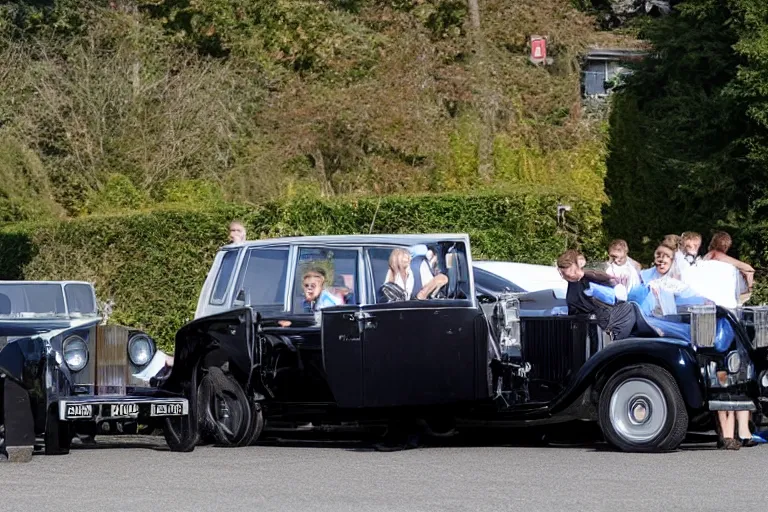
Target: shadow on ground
x,y
579,436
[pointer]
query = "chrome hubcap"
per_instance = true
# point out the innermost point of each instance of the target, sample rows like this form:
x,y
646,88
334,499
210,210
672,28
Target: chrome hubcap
x,y
638,410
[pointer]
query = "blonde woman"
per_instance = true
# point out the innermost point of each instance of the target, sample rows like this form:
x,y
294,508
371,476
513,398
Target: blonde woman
x,y
399,282
398,285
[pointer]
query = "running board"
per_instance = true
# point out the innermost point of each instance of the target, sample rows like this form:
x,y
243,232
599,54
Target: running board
x,y
732,405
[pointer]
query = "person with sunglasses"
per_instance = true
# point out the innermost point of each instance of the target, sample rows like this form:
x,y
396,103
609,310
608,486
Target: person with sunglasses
x,y
316,297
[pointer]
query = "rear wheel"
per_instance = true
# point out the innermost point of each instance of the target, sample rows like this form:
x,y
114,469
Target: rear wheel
x,y
641,410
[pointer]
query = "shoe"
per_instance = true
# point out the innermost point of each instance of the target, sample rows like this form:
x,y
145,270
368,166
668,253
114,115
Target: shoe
x,y
731,444
747,443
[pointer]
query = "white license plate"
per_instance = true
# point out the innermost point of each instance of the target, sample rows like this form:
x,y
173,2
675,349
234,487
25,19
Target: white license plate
x,y
129,410
169,409
75,411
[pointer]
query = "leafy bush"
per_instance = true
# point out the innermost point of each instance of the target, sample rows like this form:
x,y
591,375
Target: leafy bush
x,y
153,264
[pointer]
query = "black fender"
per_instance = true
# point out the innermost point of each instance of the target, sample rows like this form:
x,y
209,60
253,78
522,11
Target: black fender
x,y
22,364
676,356
228,337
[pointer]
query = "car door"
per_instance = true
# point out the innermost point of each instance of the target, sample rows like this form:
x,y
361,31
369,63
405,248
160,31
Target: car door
x,y
418,353
410,353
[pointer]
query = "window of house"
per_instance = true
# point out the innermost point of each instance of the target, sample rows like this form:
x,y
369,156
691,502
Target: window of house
x,y
594,78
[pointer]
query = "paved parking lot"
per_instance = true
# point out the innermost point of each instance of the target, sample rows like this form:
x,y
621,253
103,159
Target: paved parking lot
x,y
140,474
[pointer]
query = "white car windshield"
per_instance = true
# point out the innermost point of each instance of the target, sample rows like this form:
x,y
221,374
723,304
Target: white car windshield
x,y
46,300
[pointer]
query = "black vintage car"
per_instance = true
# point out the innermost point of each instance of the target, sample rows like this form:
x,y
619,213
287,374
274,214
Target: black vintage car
x,y
259,349
62,373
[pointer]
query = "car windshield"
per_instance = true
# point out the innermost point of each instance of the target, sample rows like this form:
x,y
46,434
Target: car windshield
x,y
45,300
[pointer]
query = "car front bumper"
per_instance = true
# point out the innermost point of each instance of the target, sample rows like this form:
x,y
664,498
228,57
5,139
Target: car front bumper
x,y
104,408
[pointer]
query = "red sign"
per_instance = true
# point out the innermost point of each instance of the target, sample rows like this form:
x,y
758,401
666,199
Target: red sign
x,y
538,50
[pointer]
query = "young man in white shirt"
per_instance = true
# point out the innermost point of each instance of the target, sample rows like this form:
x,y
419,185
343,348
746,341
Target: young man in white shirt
x,y
621,267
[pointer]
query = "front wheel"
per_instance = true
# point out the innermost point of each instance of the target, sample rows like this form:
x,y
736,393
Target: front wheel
x,y
641,410
226,414
182,432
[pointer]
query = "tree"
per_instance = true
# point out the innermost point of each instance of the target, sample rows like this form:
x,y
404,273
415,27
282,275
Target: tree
x,y
678,148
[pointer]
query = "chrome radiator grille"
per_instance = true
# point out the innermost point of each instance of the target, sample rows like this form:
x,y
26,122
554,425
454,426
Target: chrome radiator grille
x,y
112,365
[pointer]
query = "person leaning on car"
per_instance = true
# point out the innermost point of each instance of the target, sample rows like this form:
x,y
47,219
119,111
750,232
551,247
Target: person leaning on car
x,y
616,319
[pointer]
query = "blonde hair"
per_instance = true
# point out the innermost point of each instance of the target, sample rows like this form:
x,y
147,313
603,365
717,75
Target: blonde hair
x,y
619,244
671,241
394,258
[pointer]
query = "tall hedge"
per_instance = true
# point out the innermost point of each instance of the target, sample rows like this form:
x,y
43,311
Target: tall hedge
x,y
152,264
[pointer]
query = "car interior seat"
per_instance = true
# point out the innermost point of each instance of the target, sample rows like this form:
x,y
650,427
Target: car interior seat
x,y
5,304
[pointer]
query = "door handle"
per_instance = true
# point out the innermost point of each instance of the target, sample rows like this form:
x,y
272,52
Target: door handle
x,y
365,321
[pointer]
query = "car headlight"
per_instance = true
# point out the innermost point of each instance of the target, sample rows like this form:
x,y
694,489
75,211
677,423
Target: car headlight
x,y
733,362
75,353
141,349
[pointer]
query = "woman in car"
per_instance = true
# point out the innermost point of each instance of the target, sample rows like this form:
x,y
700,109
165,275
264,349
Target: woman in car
x,y
316,297
399,282
662,274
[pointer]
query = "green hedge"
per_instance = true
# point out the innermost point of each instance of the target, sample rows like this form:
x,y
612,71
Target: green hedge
x,y
152,264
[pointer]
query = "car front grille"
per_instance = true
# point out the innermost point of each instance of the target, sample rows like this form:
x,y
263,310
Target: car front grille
x,y
112,365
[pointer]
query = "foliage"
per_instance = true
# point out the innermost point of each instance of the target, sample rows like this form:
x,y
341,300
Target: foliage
x,y
121,100
25,193
258,98
152,264
677,153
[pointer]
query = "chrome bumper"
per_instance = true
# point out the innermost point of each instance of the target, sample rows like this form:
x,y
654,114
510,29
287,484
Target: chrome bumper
x,y
732,405
101,408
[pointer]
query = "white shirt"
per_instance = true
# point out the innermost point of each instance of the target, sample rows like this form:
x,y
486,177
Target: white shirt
x,y
717,281
408,284
626,274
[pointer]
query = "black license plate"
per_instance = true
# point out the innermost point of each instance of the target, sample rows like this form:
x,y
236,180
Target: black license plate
x,y
169,409
124,410
76,411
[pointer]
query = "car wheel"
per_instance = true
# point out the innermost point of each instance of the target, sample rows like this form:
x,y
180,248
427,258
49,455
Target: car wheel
x,y
641,410
182,432
224,408
256,427
58,434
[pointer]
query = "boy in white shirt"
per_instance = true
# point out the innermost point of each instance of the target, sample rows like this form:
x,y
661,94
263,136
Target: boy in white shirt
x,y
621,267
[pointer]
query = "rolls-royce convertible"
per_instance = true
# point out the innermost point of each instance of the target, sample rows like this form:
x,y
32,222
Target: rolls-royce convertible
x,y
306,330
63,373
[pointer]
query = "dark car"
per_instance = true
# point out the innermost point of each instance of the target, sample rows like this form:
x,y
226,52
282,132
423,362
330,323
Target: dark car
x,y
256,351
62,373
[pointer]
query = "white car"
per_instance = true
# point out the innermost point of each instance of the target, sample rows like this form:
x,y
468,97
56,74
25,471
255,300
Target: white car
x,y
531,278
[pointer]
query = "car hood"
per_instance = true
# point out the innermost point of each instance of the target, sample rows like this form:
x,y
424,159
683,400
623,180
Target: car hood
x,y
46,327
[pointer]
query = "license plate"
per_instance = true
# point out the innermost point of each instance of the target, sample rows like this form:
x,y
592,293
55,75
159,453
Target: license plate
x,y
79,411
129,410
171,409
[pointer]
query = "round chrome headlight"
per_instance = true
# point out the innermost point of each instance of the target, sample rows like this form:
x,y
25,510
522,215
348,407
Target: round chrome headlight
x,y
141,349
75,353
764,379
733,362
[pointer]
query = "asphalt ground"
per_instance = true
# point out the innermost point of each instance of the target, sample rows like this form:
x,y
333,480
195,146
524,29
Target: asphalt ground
x,y
138,473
